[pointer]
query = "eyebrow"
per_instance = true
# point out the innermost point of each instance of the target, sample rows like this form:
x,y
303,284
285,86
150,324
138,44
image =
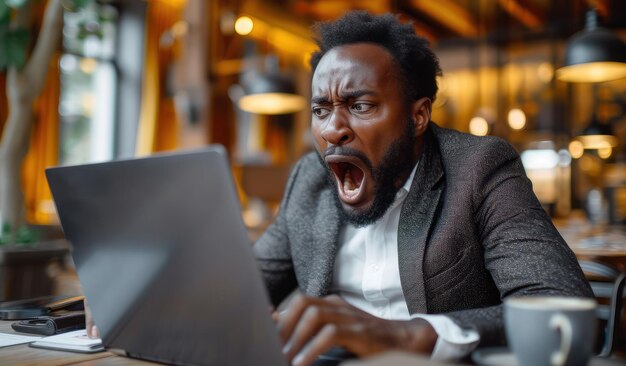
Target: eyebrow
x,y
320,100
350,94
353,94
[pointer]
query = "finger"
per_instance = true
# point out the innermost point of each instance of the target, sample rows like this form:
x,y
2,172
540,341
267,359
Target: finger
x,y
90,327
89,330
290,317
308,326
93,332
325,340
316,316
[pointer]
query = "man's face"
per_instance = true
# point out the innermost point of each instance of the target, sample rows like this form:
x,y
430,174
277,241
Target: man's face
x,y
363,128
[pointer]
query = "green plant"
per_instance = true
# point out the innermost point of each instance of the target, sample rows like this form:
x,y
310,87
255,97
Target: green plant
x,y
23,235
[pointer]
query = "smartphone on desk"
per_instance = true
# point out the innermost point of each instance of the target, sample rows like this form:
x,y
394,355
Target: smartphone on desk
x,y
50,325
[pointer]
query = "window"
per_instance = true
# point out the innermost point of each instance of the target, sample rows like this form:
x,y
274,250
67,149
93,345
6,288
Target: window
x,y
88,85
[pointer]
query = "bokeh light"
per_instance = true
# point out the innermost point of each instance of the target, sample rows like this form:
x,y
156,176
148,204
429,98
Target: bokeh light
x,y
244,25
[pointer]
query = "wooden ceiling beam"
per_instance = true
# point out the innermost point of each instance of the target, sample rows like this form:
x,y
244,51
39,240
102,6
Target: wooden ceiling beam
x,y
286,34
525,12
450,14
275,16
333,9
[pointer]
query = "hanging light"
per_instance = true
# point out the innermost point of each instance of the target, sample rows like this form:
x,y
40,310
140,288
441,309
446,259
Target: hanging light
x,y
593,55
271,93
597,135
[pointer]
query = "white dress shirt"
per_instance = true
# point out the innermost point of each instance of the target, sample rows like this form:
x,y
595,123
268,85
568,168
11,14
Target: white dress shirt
x,y
367,275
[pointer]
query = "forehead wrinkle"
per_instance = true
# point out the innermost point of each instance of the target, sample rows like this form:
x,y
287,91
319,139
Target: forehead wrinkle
x,y
340,73
341,80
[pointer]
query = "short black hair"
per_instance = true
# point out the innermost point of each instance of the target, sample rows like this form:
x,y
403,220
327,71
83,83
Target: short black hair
x,y
418,64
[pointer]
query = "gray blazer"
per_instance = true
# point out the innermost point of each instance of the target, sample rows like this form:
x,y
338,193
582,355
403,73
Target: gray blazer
x,y
471,233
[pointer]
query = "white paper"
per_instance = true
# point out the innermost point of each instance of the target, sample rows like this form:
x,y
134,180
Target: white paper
x,y
7,339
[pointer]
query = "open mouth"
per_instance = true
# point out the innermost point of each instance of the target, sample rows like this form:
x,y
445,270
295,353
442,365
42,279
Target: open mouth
x,y
350,177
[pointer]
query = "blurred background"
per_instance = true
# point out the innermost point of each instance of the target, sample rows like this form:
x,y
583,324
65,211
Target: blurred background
x,y
130,78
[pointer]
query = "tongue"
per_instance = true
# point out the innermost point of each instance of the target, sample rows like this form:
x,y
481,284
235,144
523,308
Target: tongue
x,y
350,188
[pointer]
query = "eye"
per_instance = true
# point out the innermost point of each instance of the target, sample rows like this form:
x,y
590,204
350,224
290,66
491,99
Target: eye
x,y
361,107
320,112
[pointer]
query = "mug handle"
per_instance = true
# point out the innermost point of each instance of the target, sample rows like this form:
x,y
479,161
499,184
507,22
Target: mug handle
x,y
562,323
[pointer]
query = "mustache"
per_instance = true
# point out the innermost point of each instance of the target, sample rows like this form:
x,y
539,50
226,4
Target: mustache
x,y
346,151
341,150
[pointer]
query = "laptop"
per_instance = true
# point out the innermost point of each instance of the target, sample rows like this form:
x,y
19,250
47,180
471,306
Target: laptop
x,y
165,261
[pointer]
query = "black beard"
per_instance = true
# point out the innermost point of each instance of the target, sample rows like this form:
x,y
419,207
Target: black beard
x,y
388,178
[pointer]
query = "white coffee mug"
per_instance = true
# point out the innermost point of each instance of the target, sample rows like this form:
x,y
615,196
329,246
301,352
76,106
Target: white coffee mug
x,y
550,331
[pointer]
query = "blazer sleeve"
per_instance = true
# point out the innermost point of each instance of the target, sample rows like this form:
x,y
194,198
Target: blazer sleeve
x,y
523,251
273,253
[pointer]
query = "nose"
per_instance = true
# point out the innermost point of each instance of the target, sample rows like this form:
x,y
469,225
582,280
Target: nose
x,y
337,130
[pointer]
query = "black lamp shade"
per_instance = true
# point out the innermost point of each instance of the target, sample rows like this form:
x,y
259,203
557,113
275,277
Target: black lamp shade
x,y
271,83
594,54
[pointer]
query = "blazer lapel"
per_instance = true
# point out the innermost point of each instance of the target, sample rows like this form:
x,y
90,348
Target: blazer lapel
x,y
324,247
416,218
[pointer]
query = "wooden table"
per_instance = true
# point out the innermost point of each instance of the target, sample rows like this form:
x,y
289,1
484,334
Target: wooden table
x,y
609,244
22,355
605,244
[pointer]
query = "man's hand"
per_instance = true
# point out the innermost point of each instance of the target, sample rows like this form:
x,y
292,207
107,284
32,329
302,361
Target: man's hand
x,y
311,326
92,330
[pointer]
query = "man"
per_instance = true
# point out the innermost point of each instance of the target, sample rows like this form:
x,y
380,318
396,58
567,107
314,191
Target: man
x,y
401,234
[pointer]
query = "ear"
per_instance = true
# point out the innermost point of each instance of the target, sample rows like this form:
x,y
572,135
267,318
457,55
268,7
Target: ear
x,y
420,112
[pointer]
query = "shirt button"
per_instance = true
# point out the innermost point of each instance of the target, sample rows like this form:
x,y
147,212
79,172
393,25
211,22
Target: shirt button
x,y
381,312
375,267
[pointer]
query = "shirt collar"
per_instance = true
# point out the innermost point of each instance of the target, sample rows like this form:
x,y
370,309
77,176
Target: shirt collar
x,y
407,185
404,190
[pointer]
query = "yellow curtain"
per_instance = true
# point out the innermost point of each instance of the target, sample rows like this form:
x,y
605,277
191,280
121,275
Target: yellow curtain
x,y
158,123
44,150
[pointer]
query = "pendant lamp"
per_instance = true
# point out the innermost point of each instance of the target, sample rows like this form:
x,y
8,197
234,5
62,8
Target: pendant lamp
x,y
271,92
597,135
593,55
